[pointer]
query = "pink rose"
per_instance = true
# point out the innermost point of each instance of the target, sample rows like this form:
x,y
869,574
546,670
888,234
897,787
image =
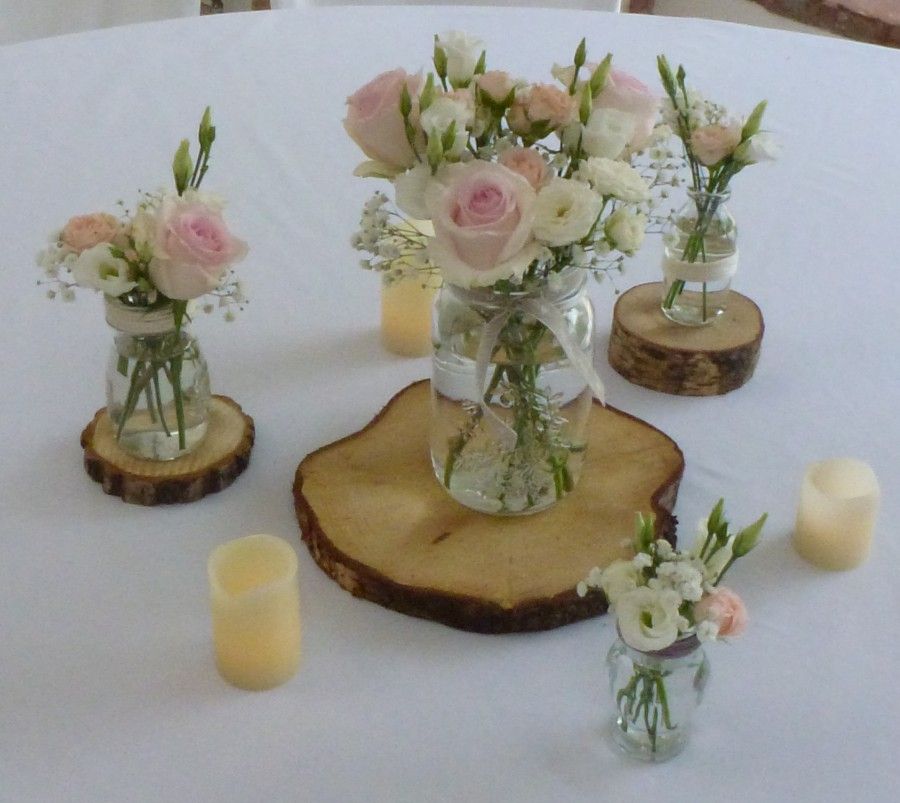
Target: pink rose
x,y
496,84
192,248
375,123
549,103
86,231
625,93
712,143
482,215
724,608
529,164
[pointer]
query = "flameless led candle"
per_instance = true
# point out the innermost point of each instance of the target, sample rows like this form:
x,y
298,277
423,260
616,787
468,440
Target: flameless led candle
x,y
838,506
406,314
255,611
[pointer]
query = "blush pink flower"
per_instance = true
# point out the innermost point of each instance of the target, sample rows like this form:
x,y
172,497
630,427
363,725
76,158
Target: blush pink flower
x,y
724,608
529,164
85,231
375,123
626,93
483,216
496,84
192,248
550,104
712,143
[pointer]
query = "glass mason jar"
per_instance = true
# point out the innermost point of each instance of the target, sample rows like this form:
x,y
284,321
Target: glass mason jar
x,y
655,694
701,256
510,439
157,383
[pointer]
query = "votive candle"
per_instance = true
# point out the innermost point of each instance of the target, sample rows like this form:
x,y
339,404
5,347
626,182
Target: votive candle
x,y
255,611
406,314
836,517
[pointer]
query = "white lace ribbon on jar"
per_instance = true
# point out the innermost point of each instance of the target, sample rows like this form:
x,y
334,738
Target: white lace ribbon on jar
x,y
546,313
139,321
716,271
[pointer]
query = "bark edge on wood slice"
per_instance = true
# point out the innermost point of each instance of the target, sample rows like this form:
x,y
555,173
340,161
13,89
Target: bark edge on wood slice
x,y
211,467
376,521
649,350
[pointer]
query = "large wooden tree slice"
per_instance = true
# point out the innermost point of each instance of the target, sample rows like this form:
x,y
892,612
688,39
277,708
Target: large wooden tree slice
x,y
650,350
377,521
211,467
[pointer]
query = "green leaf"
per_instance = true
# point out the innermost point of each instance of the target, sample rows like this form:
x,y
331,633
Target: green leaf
x,y
482,62
748,538
754,121
587,106
427,96
440,60
182,166
598,79
665,74
122,365
580,54
715,517
449,137
405,102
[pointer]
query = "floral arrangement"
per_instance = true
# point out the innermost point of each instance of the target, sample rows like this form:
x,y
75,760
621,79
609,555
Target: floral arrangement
x,y
665,596
149,265
519,180
716,148
501,185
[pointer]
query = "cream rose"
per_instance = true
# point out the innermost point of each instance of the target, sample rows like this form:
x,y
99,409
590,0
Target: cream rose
x,y
565,212
648,619
192,248
98,269
712,143
625,93
375,123
529,164
85,231
550,104
483,216
625,230
613,178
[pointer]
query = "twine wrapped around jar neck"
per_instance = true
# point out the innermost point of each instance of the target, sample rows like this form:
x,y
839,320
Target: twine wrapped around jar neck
x,y
139,321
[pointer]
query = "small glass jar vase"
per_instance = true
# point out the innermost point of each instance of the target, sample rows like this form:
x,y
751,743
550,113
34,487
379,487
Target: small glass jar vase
x,y
157,383
510,398
655,694
701,257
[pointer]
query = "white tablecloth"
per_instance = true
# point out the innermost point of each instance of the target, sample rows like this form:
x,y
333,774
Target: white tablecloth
x,y
107,684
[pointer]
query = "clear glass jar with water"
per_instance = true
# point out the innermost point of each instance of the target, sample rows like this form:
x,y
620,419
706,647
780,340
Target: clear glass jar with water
x,y
516,444
700,260
157,384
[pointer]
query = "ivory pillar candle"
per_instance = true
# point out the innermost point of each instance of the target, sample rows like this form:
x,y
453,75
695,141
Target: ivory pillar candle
x,y
838,507
255,611
406,314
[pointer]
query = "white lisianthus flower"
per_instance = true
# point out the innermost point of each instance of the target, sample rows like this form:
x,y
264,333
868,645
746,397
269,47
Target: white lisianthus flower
x,y
444,111
761,147
565,211
617,579
648,619
625,229
611,177
409,190
606,134
98,269
463,52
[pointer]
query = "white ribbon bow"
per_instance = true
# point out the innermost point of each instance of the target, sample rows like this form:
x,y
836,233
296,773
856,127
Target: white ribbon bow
x,y
546,313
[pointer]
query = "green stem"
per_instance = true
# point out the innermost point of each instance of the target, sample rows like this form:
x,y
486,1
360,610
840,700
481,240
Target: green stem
x,y
159,404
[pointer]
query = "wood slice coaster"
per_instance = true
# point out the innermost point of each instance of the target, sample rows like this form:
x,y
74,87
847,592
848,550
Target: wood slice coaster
x,y
221,457
378,522
650,350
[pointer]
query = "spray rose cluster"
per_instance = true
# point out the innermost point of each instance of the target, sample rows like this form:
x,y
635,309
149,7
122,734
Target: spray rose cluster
x,y
518,179
663,595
